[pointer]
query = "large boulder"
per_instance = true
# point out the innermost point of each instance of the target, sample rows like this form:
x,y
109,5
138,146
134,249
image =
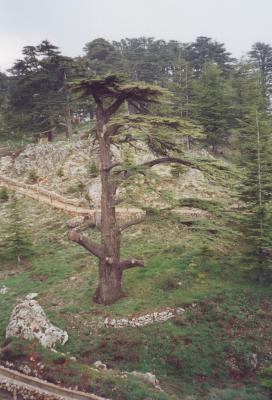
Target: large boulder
x,y
28,321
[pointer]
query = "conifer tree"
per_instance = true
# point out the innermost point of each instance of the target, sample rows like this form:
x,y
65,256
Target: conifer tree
x,y
211,98
255,142
38,99
261,57
16,235
162,135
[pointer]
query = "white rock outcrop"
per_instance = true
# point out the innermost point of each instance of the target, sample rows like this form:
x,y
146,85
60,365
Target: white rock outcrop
x,y
94,191
28,321
6,164
99,365
147,377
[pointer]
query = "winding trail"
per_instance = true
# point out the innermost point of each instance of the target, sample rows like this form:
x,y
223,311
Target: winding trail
x,y
20,384
72,207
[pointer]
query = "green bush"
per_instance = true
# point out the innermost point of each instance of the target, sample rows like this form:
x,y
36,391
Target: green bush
x,y
60,172
92,169
4,194
32,175
266,379
78,187
169,282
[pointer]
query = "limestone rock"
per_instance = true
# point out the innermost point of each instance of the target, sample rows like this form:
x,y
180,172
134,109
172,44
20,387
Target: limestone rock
x,y
3,290
143,320
147,377
99,365
28,321
32,296
75,222
6,164
254,361
94,191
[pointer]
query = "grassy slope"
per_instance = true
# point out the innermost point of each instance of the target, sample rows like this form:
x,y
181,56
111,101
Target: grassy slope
x,y
205,354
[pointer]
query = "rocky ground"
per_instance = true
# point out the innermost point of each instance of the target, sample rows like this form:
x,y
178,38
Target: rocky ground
x,y
70,169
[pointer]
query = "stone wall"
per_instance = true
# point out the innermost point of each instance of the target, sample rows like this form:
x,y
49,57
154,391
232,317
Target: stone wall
x,y
143,320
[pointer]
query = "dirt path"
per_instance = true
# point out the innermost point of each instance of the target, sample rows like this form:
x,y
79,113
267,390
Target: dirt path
x,y
29,387
69,206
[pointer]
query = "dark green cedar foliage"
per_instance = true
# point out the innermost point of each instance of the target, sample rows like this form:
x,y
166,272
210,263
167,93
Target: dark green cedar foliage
x,y
16,244
255,143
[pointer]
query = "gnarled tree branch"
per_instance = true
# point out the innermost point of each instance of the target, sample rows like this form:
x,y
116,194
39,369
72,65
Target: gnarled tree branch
x,y
114,106
94,248
165,160
131,263
112,165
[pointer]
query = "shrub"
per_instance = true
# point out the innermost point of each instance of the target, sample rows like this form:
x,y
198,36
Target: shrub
x,y
3,194
92,169
60,172
32,175
78,187
266,379
169,283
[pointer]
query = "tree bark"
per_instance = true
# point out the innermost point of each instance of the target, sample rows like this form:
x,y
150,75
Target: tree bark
x,y
110,273
109,288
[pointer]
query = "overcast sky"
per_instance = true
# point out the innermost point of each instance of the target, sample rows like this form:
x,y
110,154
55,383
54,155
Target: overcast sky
x,y
71,23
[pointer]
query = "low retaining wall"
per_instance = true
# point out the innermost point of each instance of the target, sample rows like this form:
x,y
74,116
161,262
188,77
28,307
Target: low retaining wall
x,y
43,192
69,206
143,320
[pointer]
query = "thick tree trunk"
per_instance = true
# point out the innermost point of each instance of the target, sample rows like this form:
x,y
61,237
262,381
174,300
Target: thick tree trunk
x,y
110,273
111,267
109,289
50,135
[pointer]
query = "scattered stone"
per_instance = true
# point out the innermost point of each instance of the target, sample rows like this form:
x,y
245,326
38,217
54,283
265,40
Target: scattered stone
x,y
99,365
32,296
28,321
147,377
25,369
75,222
254,361
3,290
